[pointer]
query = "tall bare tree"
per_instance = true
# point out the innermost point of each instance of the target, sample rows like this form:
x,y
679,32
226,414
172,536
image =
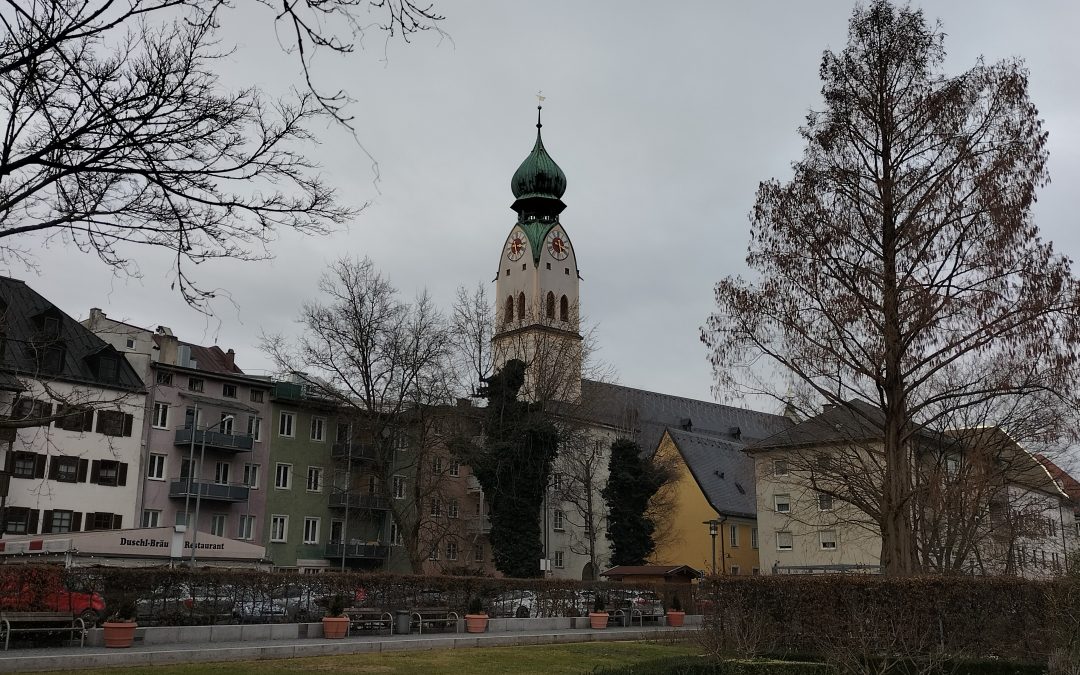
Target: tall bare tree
x,y
900,265
117,130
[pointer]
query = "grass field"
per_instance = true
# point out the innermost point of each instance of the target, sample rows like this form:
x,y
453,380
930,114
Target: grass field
x,y
572,659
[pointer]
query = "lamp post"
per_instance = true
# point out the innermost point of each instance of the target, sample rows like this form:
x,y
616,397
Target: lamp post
x,y
198,495
714,528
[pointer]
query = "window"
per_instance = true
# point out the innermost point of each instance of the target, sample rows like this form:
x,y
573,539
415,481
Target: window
x,y
32,410
161,416
454,469
828,540
783,541
66,469
452,508
60,522
508,312
155,469
130,343
164,378
228,390
395,534
104,521
824,502
28,465
372,485
283,476
181,518
246,531
196,384
217,525
451,550
780,467
279,528
256,395
564,309
225,426
550,305
221,473
753,537
108,472
556,481
75,418
436,507
20,520
755,571
559,561
311,530
434,555
952,468
783,503
436,466
251,476
337,531
285,425
478,553
734,570
254,428
401,441
521,307
318,429
342,432
114,423
733,537
399,487
314,479
151,518
557,520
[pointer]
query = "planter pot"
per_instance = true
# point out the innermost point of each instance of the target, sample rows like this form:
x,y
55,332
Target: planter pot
x,y
598,619
335,627
476,623
675,619
119,634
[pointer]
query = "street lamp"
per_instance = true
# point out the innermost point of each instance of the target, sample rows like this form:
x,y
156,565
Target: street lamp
x,y
714,529
198,495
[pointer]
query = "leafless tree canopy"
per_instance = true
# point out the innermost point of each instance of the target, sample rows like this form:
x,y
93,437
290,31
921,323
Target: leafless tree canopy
x,y
900,265
118,131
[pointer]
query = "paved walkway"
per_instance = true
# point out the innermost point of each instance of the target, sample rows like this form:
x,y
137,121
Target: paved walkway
x,y
74,658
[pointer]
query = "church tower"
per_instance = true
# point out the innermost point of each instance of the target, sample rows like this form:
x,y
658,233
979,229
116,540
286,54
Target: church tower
x,y
536,289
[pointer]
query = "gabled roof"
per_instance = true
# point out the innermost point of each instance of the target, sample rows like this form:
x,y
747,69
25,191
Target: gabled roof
x,y
722,470
652,571
22,311
1067,483
646,414
854,421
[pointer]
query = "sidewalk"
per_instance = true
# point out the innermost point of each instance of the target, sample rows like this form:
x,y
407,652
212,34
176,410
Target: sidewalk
x,y
74,658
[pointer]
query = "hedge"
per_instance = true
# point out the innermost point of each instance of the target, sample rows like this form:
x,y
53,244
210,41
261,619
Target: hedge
x,y
702,666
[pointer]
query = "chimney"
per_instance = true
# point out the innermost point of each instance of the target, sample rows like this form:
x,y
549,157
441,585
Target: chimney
x,y
167,347
96,315
230,359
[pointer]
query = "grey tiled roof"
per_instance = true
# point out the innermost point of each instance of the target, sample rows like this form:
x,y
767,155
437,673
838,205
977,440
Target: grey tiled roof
x,y
722,470
22,312
855,421
645,414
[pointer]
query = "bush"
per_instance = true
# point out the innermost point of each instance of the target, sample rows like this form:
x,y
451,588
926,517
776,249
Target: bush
x,y
701,666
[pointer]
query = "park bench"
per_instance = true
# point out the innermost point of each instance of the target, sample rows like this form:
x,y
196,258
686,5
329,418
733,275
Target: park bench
x,y
41,622
435,616
626,616
369,619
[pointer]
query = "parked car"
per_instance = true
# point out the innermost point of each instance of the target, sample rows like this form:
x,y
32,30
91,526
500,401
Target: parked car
x,y
184,604
48,593
518,604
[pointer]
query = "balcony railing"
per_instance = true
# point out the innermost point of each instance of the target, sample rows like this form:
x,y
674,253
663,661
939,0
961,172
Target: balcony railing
x,y
358,451
217,492
340,500
214,439
478,525
357,551
472,484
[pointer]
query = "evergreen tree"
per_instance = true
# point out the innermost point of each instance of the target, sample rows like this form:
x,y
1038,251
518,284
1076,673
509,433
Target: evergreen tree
x,y
513,468
631,484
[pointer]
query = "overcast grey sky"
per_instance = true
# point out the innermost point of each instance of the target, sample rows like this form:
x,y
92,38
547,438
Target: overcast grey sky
x,y
664,116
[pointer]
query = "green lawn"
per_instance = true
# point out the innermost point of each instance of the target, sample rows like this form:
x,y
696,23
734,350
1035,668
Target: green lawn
x,y
572,659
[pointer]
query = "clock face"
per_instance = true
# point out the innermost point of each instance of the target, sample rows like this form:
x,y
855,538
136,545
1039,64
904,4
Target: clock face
x,y
515,248
557,245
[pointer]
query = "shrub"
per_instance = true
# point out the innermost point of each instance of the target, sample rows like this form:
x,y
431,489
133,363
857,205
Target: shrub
x,y
476,606
676,604
700,666
598,603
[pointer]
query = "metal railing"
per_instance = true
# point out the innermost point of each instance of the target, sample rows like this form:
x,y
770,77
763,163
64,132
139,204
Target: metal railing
x,y
362,551
214,439
340,500
208,489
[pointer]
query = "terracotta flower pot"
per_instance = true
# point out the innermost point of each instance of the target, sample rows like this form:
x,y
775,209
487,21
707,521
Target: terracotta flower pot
x,y
119,634
335,627
675,619
598,619
476,623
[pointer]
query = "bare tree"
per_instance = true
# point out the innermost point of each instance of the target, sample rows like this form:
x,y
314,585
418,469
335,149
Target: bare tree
x,y
900,266
118,132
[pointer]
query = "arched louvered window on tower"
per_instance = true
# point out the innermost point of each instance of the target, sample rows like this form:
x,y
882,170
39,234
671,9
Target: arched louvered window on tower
x,y
550,305
508,313
521,306
564,309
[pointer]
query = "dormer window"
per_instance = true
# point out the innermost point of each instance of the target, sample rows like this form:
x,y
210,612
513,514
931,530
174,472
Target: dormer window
x,y
108,369
51,327
52,359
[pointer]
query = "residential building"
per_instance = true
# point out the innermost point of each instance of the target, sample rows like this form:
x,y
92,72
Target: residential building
x,y
72,413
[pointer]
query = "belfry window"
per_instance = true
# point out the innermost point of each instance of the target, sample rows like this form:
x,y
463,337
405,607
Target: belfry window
x,y
564,309
551,305
509,313
521,307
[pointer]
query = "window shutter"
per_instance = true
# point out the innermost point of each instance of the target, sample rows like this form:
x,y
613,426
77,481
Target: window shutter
x,y
46,522
95,467
83,465
39,466
76,522
89,521
121,474
31,523
117,519
9,461
54,468
128,422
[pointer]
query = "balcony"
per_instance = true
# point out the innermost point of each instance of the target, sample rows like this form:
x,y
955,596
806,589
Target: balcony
x,y
478,525
472,484
214,439
209,490
377,502
357,551
358,452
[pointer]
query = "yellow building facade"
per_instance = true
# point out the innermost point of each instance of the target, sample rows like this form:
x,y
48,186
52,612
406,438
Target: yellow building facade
x,y
712,485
